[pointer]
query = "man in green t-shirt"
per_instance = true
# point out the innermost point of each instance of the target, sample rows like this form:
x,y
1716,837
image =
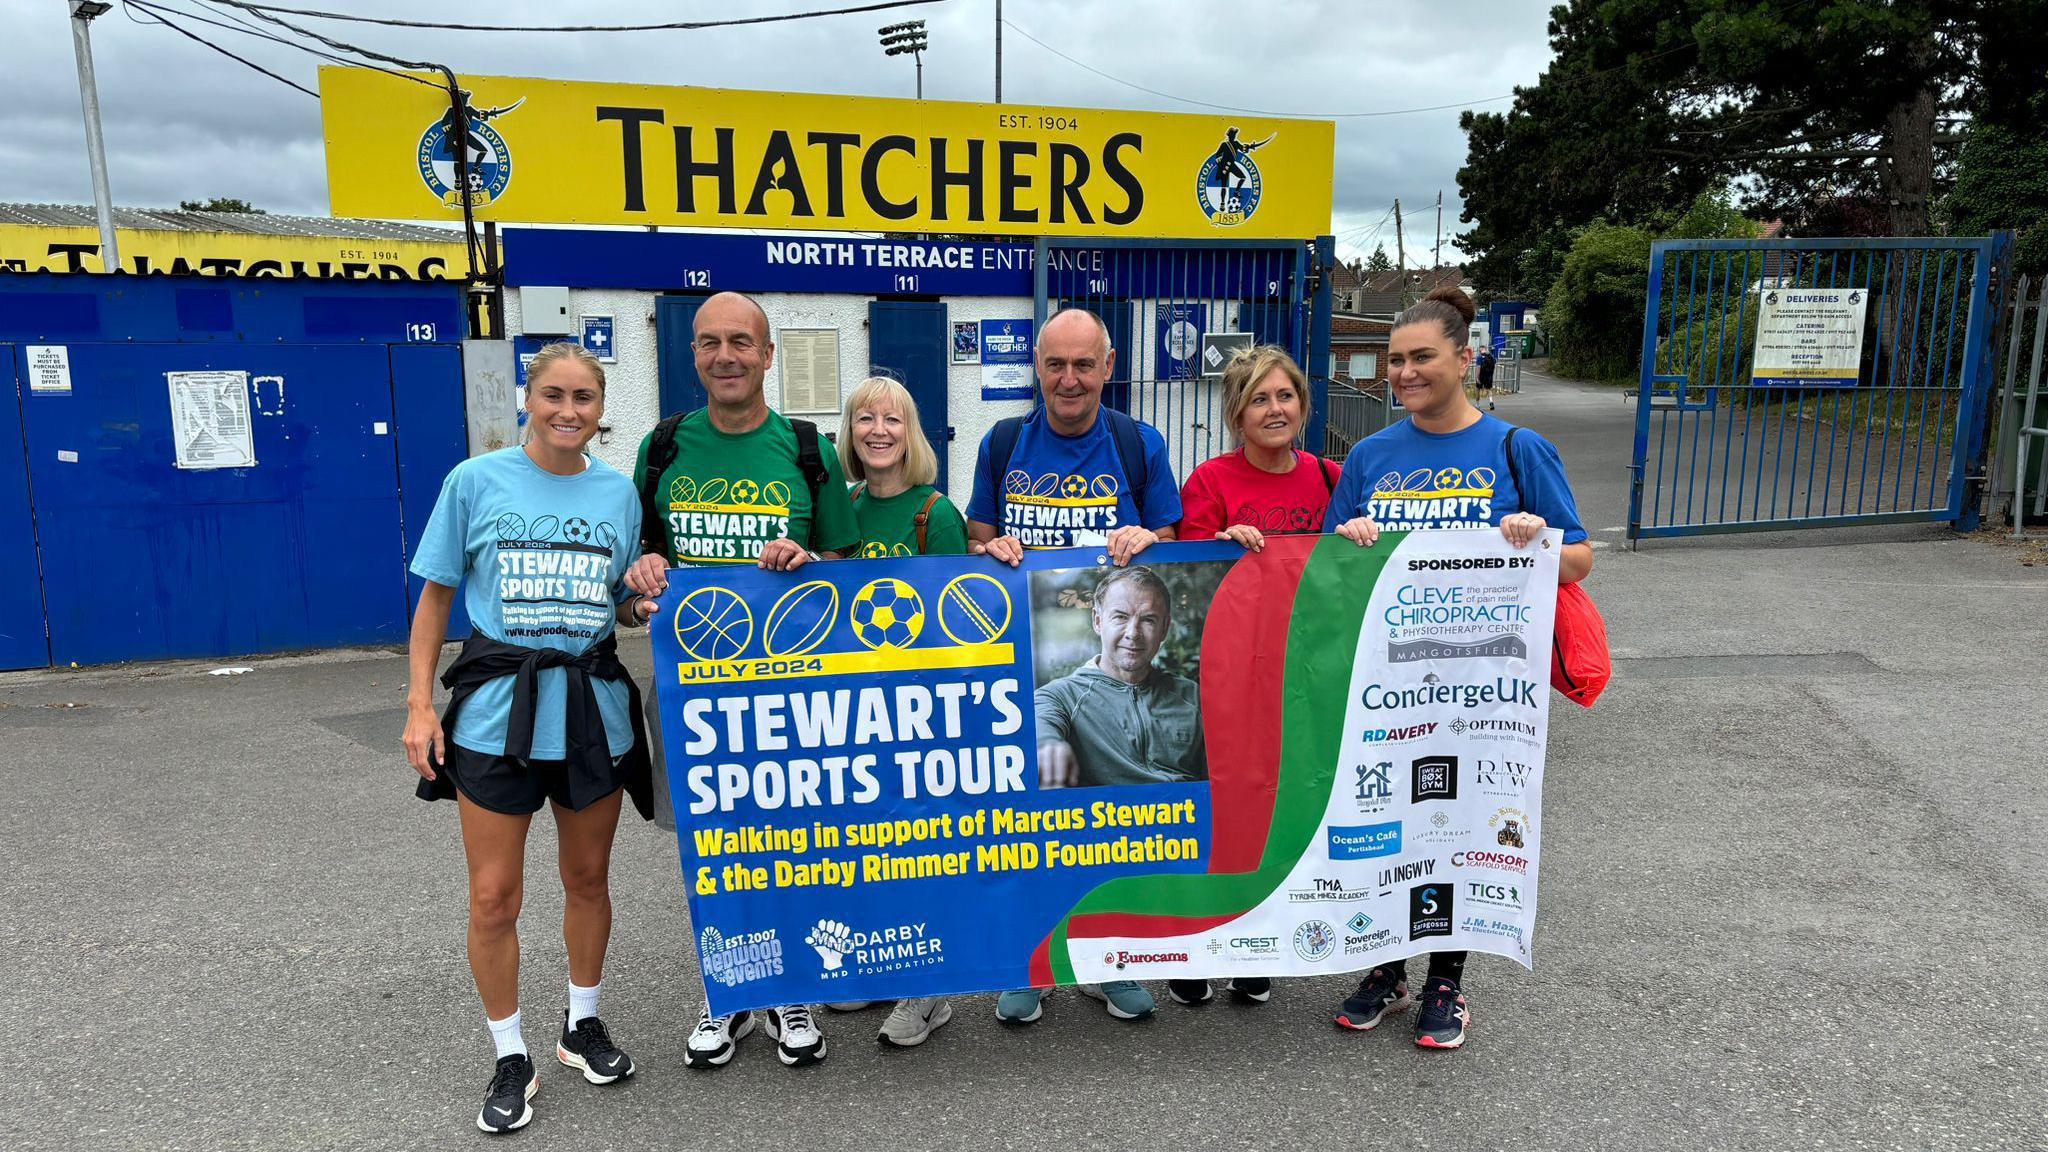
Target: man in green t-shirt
x,y
736,494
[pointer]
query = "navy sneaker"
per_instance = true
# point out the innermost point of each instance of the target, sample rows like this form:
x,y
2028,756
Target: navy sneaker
x,y
512,1085
1382,993
588,1048
1444,1015
1250,989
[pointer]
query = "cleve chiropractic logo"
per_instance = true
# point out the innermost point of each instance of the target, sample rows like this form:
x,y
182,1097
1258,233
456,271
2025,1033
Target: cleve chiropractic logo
x,y
1456,622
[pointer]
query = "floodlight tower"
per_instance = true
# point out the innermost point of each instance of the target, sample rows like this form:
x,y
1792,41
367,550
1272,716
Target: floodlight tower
x,y
908,36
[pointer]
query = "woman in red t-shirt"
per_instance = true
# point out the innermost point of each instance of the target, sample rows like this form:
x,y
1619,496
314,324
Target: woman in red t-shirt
x,y
1267,485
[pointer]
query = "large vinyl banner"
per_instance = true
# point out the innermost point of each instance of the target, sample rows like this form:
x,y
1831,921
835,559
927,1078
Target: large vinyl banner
x,y
912,777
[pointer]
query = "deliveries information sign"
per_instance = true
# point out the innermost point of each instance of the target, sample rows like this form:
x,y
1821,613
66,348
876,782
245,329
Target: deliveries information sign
x,y
571,152
1809,337
936,775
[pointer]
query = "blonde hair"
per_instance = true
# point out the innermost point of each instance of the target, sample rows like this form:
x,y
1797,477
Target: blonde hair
x,y
561,350
920,463
1244,372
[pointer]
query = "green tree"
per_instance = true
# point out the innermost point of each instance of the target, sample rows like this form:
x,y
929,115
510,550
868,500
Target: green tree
x,y
1834,115
219,204
2002,182
1594,313
1378,261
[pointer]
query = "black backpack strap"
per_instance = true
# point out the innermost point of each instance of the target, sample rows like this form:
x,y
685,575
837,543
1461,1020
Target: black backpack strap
x,y
661,452
1514,471
1329,481
810,460
1002,444
1130,453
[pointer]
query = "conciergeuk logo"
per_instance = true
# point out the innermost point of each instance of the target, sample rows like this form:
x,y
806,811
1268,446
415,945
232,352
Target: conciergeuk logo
x,y
489,160
1228,185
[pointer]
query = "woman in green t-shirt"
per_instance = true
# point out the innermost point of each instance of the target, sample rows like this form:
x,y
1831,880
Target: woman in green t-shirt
x,y
893,466
885,453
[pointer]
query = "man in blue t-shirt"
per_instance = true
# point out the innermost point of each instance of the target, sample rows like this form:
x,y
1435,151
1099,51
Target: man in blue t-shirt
x,y
1073,473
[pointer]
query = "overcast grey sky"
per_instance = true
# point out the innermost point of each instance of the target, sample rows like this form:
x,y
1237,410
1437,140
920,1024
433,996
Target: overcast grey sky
x,y
184,123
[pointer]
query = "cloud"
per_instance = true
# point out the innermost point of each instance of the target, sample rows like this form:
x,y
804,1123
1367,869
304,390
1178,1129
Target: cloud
x,y
184,123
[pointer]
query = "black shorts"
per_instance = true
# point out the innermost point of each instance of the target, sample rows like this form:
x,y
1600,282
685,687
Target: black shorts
x,y
514,787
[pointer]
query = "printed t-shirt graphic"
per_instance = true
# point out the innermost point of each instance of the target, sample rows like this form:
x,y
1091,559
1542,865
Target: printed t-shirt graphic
x,y
726,496
545,558
1406,478
1071,491
888,524
1230,490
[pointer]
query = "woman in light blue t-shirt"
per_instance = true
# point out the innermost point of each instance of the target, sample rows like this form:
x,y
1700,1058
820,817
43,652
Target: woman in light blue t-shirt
x,y
542,713
1448,465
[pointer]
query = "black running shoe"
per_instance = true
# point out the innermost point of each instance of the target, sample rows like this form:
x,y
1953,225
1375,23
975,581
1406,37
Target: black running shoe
x,y
1250,989
1444,1015
588,1048
1382,993
1189,991
506,1108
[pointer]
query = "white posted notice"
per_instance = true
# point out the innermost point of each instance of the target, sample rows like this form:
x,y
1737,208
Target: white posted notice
x,y
810,369
49,368
210,419
1809,338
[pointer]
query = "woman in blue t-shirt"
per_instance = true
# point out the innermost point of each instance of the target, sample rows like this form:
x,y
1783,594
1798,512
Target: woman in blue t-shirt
x,y
1447,466
541,710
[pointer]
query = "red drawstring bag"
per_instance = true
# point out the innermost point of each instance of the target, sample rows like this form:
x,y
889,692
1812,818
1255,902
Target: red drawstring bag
x,y
1579,662
1580,665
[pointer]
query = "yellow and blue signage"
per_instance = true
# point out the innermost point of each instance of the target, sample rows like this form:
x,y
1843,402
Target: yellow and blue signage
x,y
572,152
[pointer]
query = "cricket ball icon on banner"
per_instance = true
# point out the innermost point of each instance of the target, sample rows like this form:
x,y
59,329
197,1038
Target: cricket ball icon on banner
x,y
489,159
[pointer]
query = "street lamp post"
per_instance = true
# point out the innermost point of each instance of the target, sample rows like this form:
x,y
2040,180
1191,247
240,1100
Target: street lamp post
x,y
82,13
908,36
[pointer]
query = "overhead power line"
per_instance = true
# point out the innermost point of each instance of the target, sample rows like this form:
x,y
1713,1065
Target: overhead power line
x,y
156,15
674,25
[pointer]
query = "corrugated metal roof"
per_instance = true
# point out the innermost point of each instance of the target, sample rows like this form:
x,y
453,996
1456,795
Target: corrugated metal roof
x,y
252,223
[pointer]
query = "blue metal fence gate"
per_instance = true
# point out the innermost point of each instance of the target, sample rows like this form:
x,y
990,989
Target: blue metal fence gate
x,y
1720,447
1159,297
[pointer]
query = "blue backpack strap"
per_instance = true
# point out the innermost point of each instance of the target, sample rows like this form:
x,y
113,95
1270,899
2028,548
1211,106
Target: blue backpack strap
x,y
1002,444
1130,453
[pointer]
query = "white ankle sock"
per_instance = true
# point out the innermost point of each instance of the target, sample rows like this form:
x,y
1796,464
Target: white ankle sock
x,y
582,1001
506,1035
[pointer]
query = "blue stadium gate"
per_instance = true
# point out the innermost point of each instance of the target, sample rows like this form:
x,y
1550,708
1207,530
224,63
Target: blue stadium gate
x,y
1160,298
199,467
1892,433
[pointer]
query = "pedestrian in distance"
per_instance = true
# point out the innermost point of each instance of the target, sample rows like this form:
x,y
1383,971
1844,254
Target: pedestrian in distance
x,y
542,713
884,451
1486,365
1448,465
736,483
1073,473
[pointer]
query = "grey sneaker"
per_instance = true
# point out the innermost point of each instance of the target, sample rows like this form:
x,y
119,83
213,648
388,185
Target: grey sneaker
x,y
912,1022
1021,1006
1125,999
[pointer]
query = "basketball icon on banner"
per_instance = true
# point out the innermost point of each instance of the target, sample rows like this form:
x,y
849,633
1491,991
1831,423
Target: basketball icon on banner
x,y
713,624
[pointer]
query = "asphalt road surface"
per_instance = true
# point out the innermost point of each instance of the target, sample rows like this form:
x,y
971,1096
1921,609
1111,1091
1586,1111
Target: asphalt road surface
x,y
1793,897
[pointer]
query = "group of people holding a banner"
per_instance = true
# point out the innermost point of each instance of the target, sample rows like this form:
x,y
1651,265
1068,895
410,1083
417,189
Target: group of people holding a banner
x,y
552,550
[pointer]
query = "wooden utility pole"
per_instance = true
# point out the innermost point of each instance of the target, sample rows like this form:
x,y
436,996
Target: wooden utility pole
x,y
1400,255
1436,258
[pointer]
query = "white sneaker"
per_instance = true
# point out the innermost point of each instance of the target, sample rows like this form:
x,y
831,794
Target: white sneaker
x,y
716,1038
850,1005
797,1039
912,1022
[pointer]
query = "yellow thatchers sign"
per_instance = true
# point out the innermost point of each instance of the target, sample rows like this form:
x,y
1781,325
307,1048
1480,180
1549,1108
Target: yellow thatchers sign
x,y
552,151
40,248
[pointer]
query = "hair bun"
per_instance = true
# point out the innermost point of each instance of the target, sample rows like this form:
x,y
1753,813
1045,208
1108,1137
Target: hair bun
x,y
1455,296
